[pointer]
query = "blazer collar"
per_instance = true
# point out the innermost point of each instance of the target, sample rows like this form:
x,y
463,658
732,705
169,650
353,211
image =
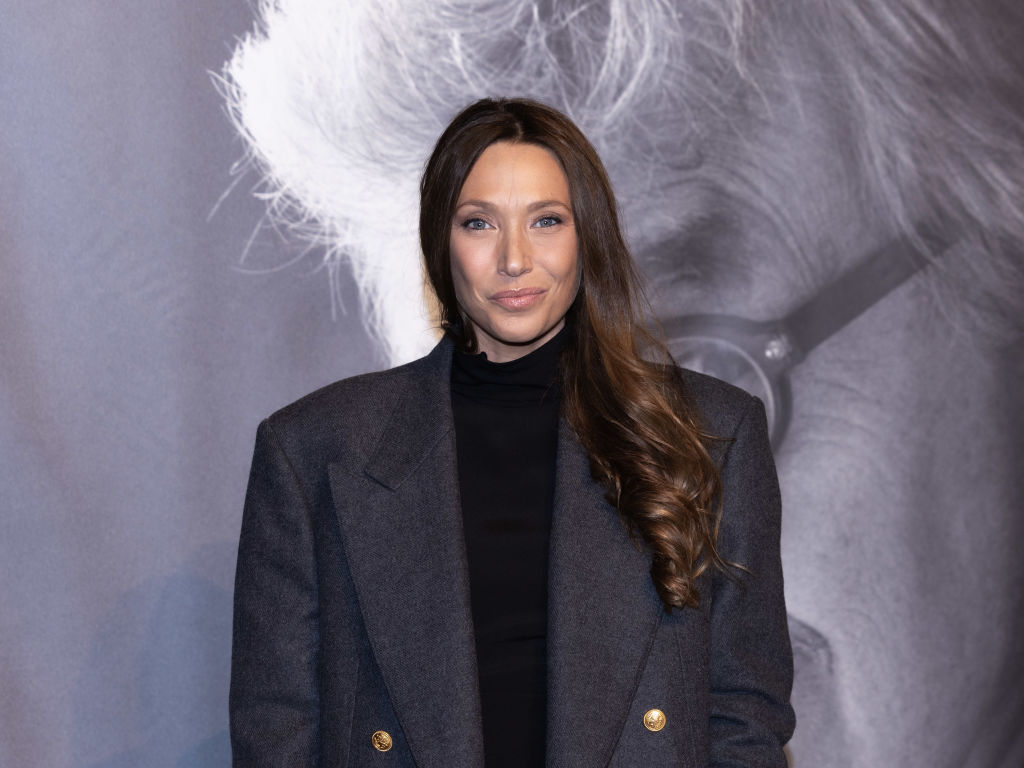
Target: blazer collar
x,y
603,613
421,418
407,556
403,539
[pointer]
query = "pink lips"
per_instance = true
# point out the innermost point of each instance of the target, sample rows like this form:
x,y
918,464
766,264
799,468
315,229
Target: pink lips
x,y
521,298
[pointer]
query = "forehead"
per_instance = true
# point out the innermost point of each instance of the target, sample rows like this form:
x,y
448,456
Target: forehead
x,y
518,170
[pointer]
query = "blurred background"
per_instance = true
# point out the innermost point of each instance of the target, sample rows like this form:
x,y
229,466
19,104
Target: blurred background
x,y
139,351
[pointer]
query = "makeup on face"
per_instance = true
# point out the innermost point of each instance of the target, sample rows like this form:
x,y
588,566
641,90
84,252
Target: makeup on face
x,y
514,249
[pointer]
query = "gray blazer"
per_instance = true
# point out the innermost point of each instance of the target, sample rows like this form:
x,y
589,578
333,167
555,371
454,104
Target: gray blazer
x,y
352,611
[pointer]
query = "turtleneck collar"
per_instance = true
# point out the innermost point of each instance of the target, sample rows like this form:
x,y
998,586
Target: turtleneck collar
x,y
527,379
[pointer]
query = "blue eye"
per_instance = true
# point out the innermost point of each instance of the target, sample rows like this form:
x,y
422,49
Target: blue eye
x,y
475,224
548,221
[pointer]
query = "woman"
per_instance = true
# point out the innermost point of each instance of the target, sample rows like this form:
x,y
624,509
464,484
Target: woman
x,y
525,546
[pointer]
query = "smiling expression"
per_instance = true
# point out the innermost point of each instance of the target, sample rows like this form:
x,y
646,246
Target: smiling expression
x,y
513,249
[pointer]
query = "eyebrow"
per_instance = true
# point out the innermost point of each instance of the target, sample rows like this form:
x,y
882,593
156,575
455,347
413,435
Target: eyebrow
x,y
488,206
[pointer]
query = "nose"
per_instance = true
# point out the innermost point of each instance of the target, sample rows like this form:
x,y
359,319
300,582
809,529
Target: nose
x,y
515,258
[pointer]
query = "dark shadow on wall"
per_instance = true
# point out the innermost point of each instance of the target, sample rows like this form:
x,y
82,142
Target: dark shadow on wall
x,y
820,738
156,684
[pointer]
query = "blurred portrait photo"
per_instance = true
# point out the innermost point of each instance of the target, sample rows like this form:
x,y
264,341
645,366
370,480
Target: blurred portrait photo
x,y
826,202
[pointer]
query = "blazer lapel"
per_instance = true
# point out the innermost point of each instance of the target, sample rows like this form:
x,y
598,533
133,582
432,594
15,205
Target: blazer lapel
x,y
603,613
403,536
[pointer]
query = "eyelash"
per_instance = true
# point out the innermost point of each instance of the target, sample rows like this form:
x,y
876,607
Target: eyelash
x,y
468,223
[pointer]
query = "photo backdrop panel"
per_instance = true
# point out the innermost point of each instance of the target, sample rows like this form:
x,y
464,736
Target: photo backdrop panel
x,y
828,190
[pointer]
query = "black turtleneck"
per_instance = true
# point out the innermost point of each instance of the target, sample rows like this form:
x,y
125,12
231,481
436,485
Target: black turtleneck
x,y
506,436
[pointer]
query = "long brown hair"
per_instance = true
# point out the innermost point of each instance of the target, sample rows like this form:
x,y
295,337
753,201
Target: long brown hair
x,y
644,441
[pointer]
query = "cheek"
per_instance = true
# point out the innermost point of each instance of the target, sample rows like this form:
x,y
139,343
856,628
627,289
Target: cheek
x,y
565,263
466,261
460,282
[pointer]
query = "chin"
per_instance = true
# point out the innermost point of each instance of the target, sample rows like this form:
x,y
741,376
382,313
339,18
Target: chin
x,y
518,336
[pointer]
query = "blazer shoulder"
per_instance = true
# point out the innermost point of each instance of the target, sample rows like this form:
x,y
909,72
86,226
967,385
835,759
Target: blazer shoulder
x,y
339,398
719,406
350,411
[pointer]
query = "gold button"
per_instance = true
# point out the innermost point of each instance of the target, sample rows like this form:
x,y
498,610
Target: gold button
x,y
654,720
381,740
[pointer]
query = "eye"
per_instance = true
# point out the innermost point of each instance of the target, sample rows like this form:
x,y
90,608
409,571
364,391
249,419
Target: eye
x,y
548,221
475,224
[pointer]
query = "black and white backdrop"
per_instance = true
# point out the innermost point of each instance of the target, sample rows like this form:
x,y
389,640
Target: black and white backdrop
x,y
207,210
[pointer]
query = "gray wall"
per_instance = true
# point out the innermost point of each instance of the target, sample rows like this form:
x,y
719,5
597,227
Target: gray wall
x,y
136,358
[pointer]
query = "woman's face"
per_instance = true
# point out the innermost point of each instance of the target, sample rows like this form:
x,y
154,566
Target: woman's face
x,y
513,249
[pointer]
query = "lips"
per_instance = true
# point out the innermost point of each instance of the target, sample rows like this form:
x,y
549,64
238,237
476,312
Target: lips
x,y
520,298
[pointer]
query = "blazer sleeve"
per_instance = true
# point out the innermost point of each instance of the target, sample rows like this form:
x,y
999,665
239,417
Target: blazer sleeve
x,y
274,697
751,659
